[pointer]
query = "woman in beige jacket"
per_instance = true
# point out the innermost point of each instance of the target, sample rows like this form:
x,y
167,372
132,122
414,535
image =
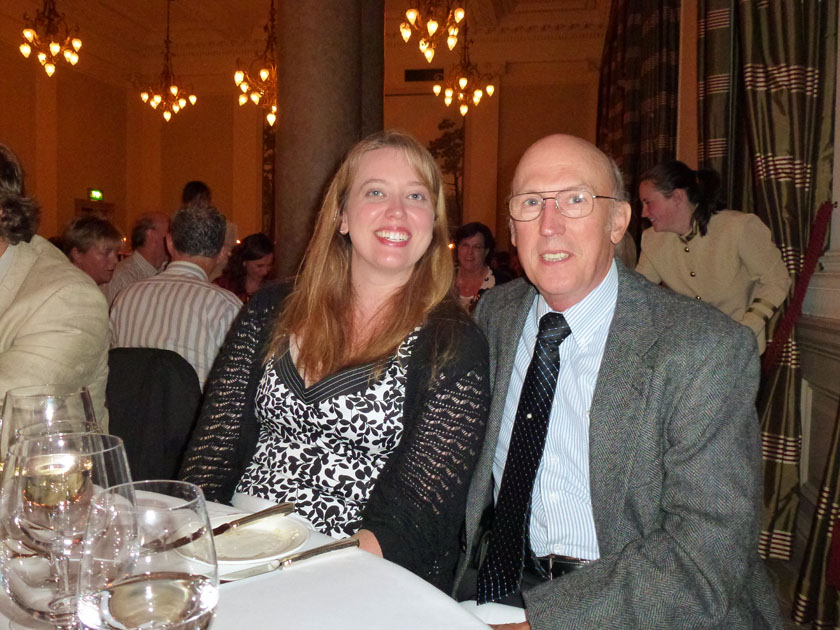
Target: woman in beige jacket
x,y
723,257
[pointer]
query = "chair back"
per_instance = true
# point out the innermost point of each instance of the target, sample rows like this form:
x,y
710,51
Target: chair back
x,y
153,399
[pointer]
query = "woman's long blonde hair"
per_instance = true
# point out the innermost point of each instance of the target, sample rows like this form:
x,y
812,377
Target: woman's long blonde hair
x,y
319,312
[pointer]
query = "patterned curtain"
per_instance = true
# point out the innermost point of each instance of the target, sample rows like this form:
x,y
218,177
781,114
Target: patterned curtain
x,y
766,73
637,95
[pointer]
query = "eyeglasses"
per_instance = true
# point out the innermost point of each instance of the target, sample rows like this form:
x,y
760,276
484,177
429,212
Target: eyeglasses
x,y
574,203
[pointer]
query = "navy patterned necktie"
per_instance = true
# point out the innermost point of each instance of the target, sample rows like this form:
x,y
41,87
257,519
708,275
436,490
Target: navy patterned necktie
x,y
501,572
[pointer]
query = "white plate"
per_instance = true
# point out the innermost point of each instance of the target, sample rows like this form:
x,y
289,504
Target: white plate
x,y
263,540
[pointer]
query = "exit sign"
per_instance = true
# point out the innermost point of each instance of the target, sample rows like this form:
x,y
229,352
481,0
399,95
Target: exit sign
x,y
95,194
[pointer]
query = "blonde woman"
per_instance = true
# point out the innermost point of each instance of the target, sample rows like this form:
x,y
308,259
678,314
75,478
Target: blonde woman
x,y
361,395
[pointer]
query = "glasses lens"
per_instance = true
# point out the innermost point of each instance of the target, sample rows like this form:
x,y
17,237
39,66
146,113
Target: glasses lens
x,y
575,203
526,206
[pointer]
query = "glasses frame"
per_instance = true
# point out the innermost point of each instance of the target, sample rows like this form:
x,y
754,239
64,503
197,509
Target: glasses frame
x,y
555,197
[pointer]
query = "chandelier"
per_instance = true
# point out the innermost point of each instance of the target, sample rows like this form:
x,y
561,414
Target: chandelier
x,y
166,95
465,83
431,19
258,82
49,38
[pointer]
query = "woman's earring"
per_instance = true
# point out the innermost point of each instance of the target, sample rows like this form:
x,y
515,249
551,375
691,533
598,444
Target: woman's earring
x,y
343,231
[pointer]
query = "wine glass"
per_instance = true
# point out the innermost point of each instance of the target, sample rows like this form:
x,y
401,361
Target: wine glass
x,y
48,484
149,560
42,409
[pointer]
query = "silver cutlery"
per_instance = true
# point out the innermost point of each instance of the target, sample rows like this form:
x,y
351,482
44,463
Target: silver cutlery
x,y
275,510
282,563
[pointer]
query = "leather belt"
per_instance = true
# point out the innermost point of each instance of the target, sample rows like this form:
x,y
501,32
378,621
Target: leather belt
x,y
553,566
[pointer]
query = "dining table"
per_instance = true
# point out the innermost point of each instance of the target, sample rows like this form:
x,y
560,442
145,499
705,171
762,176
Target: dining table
x,y
348,589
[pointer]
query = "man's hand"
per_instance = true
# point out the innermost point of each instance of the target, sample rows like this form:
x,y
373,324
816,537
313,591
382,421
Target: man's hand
x,y
512,626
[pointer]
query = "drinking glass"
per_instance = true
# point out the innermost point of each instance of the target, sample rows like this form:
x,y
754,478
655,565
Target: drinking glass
x,y
48,484
43,409
149,560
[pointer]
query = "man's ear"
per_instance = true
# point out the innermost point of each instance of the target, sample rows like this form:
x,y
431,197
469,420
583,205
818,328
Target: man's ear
x,y
512,228
620,221
169,246
223,256
74,255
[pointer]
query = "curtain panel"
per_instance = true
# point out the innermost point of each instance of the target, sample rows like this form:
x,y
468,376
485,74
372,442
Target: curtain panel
x,y
637,94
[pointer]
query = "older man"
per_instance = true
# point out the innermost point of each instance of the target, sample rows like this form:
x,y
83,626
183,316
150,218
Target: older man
x,y
622,455
179,309
148,244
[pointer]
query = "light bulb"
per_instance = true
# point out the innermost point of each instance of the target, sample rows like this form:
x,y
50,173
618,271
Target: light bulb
x,y
244,87
192,98
447,100
154,103
144,96
182,102
25,49
55,48
432,26
264,74
405,31
167,115
429,53
243,99
42,57
74,59
459,14
271,117
490,89
173,89
462,82
412,14
157,98
176,108
477,96
68,54
436,89
255,97
29,35
238,77
49,68
464,109
451,41
454,30
423,45
76,43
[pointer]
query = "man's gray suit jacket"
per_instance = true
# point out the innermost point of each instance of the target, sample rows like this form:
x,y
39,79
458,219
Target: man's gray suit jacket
x,y
674,459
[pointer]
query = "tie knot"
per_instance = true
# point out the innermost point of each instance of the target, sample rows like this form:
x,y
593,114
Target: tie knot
x,y
553,328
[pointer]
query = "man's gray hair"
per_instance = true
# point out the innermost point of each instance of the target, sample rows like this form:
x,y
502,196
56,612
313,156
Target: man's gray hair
x,y
198,230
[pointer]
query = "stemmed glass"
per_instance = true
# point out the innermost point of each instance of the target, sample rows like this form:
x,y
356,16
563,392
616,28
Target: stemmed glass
x,y
48,484
149,560
43,409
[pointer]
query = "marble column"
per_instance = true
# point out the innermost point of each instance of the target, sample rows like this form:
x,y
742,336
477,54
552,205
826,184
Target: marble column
x,y
330,77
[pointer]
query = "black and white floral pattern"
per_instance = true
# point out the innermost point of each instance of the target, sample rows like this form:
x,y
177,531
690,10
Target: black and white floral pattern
x,y
324,446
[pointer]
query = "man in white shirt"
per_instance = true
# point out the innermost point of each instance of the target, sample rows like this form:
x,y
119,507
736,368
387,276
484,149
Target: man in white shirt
x,y
622,457
179,309
148,244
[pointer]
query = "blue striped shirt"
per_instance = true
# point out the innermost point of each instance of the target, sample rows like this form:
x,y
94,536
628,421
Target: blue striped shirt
x,y
561,505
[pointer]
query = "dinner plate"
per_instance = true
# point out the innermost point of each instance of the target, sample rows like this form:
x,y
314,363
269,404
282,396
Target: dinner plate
x,y
263,540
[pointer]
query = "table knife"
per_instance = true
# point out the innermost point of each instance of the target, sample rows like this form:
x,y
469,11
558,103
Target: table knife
x,y
274,510
282,563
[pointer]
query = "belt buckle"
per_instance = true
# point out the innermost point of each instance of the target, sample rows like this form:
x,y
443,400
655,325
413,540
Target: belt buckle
x,y
550,567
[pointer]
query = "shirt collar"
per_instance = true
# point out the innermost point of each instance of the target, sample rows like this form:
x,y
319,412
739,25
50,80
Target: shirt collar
x,y
592,312
694,231
184,268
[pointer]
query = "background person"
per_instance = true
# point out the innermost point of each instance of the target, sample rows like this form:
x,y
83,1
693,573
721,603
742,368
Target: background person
x,y
362,395
92,243
53,319
723,257
148,256
474,244
249,267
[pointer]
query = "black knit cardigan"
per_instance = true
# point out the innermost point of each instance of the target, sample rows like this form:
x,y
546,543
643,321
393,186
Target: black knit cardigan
x,y
416,508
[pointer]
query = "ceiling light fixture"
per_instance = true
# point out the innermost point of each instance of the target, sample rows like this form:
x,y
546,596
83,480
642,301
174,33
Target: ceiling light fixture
x,y
166,95
431,19
466,84
258,83
49,37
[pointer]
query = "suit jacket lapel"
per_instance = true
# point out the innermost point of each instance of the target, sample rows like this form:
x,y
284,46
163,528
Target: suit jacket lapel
x,y
619,399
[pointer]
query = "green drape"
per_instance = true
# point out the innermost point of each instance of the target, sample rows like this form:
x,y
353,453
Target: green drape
x,y
766,72
637,95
